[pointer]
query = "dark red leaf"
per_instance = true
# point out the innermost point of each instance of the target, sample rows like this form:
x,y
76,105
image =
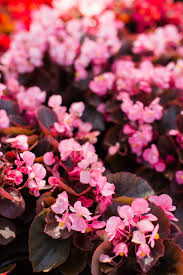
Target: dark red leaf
x,y
46,118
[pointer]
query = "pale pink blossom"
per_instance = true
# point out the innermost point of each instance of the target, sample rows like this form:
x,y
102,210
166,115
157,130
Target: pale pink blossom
x,y
121,249
49,158
143,250
80,210
113,225
140,206
154,236
61,204
179,176
55,101
19,142
4,119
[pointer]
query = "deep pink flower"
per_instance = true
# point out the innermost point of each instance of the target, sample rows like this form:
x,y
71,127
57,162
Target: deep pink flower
x,y
68,146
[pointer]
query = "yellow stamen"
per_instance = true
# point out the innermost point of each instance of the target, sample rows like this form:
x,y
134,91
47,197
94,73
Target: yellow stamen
x,y
67,121
88,229
143,254
182,177
121,254
157,236
80,215
101,77
134,145
62,224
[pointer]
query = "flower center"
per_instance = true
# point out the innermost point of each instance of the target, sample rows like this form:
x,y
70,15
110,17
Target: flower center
x,y
143,254
157,236
121,254
62,224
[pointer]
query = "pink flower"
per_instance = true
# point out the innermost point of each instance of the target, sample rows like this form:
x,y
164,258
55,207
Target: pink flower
x,y
19,142
64,222
77,109
179,176
121,249
145,226
151,155
78,223
61,204
165,202
140,206
92,7
143,250
126,213
48,158
68,146
112,226
55,101
36,176
138,237
114,149
154,236
4,119
102,83
28,158
85,176
81,211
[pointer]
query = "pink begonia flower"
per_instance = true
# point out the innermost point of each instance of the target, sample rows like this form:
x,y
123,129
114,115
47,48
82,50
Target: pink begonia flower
x,y
151,155
114,149
19,142
78,223
85,176
86,202
102,83
77,109
112,226
63,6
36,176
104,258
92,7
28,158
14,176
154,236
160,166
121,249
4,119
67,146
81,211
126,213
138,237
61,204
179,176
106,188
49,158
64,222
143,250
128,130
140,206
98,224
55,101
145,226
165,202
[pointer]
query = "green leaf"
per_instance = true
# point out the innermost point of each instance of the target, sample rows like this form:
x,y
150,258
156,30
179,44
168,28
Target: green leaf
x,y
45,252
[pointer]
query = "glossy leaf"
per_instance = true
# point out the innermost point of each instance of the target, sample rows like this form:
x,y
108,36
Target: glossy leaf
x,y
146,263
46,118
12,209
45,253
129,185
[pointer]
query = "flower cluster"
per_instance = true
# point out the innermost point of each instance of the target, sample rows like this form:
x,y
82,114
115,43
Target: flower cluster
x,y
136,225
